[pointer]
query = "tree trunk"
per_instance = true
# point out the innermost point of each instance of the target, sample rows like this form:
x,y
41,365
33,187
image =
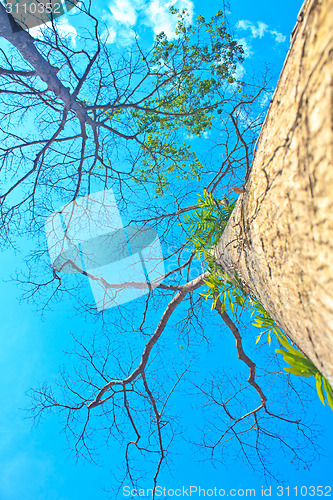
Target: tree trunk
x,y
280,237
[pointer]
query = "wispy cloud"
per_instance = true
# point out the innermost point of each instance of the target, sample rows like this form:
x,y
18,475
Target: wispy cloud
x,y
117,32
75,10
279,38
124,11
259,30
66,30
159,16
191,137
247,47
265,99
109,34
123,16
63,27
240,72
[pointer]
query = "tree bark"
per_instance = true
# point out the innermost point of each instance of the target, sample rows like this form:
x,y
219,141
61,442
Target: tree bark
x,y
280,236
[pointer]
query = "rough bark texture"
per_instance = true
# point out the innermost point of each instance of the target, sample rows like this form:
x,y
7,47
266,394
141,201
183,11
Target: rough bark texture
x,y
280,237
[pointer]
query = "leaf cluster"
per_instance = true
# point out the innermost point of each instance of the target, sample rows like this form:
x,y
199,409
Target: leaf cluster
x,y
263,319
301,366
205,227
189,70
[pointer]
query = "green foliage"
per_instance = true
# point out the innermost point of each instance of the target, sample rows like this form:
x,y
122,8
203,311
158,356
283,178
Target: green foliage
x,y
263,319
205,226
188,72
221,286
179,88
174,157
301,366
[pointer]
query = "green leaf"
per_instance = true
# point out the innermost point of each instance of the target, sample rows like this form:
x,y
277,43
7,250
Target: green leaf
x,y
222,307
257,323
299,358
240,300
224,299
283,340
319,387
259,337
329,392
297,372
299,365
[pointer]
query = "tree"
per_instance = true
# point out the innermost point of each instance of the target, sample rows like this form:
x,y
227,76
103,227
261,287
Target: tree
x,y
121,124
291,181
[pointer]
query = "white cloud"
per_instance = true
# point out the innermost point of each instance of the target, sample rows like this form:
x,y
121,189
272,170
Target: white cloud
x,y
256,31
279,38
120,19
63,27
265,99
191,137
66,30
126,14
246,119
125,36
260,30
76,9
117,32
109,35
124,11
160,18
247,47
240,72
37,31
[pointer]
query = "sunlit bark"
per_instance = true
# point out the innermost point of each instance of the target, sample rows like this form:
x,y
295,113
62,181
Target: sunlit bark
x,y
280,237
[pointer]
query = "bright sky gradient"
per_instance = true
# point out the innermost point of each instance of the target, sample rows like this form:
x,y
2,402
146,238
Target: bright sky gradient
x,y
35,463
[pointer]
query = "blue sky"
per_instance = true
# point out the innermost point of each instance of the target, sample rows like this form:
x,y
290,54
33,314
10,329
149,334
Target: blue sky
x,y
35,462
